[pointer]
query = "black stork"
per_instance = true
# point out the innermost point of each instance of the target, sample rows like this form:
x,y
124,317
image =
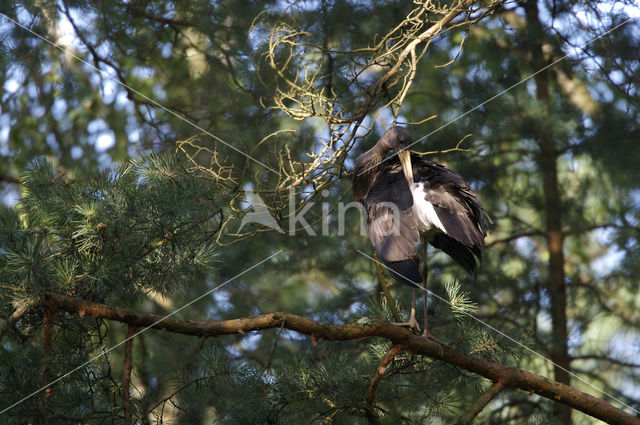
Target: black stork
x,y
406,198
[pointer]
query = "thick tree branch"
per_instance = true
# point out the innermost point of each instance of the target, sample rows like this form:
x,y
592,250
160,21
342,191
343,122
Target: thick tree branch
x,y
509,377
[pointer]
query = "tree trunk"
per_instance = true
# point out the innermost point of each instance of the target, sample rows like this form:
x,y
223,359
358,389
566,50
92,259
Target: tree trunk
x,y
547,160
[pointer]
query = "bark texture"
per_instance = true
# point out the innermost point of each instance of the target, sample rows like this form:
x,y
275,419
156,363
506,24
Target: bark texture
x,y
508,377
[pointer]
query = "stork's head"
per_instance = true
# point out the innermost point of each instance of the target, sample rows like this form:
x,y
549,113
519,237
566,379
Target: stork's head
x,y
399,140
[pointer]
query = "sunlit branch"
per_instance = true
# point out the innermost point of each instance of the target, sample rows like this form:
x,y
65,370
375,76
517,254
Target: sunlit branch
x,y
509,377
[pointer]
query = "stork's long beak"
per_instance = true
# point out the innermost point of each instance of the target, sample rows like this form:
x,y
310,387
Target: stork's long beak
x,y
405,162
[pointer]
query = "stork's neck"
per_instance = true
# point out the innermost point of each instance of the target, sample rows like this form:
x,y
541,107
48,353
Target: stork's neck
x,y
366,169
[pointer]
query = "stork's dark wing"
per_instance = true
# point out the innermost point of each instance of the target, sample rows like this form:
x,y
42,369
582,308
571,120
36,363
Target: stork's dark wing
x,y
391,223
463,218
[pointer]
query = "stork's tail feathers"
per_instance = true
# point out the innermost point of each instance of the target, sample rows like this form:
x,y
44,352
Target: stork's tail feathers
x,y
462,254
405,272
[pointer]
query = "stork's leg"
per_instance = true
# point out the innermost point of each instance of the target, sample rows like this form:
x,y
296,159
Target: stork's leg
x,y
385,289
425,276
413,323
426,332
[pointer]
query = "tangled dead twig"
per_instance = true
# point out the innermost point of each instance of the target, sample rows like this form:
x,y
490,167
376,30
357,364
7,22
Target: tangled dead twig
x,y
344,85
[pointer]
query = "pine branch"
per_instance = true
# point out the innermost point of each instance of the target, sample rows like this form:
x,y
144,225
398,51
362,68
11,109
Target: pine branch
x,y
509,377
481,402
20,311
9,178
44,370
174,393
126,374
382,367
605,358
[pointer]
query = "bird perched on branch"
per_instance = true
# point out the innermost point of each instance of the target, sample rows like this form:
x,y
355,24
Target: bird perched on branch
x,y
408,198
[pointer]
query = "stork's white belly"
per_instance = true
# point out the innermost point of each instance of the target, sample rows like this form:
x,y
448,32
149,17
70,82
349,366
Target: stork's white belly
x,y
428,220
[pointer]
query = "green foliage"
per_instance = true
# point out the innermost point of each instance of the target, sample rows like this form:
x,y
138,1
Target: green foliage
x,y
461,304
147,226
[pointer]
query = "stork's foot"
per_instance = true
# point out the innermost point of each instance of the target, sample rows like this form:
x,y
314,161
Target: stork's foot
x,y
411,324
427,335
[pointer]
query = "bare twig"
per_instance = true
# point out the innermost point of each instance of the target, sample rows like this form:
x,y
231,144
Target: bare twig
x,y
273,349
157,18
375,77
